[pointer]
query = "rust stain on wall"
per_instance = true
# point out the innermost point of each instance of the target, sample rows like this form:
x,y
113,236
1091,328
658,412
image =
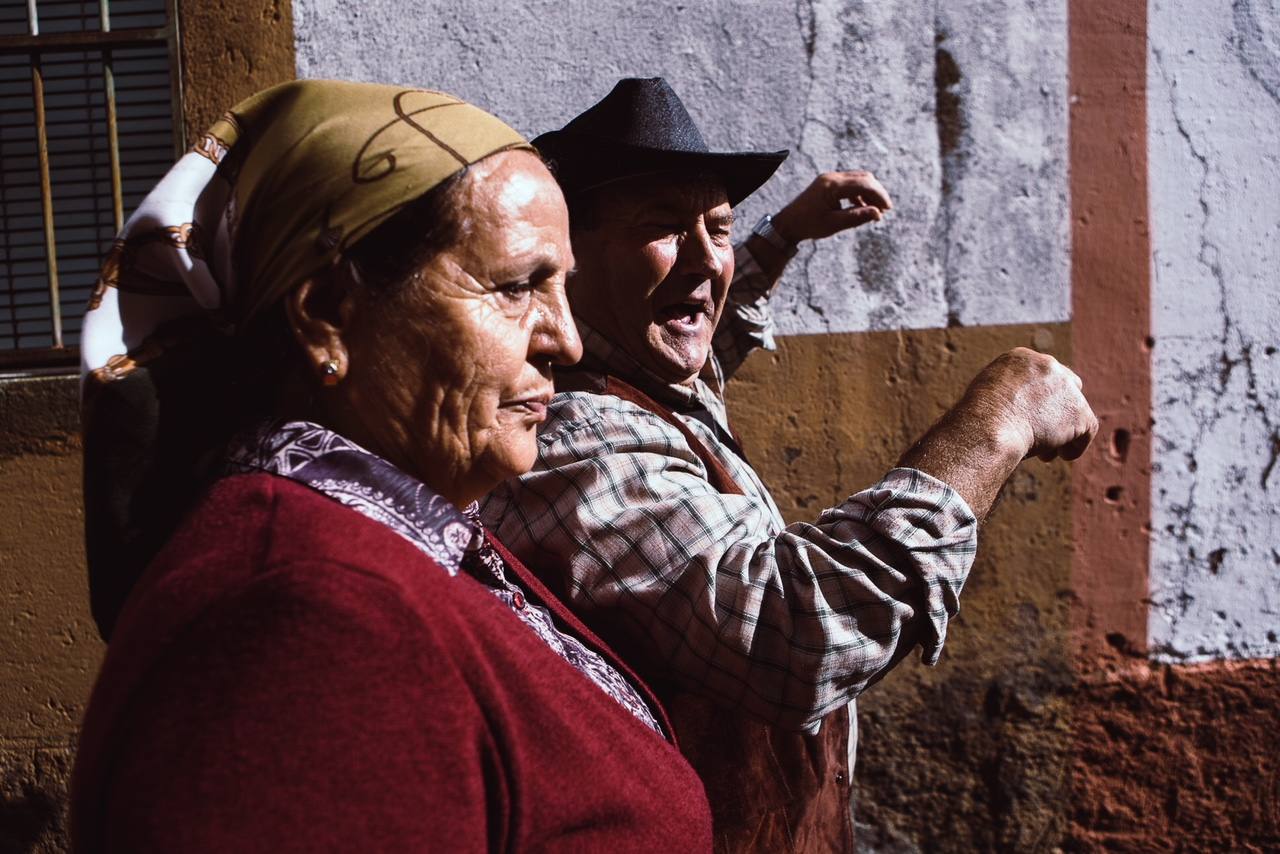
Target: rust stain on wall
x,y
1178,758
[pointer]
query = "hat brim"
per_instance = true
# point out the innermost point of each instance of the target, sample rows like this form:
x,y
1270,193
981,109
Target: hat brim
x,y
583,162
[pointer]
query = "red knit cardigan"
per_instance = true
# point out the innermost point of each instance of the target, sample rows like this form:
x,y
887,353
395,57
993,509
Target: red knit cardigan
x,y
292,676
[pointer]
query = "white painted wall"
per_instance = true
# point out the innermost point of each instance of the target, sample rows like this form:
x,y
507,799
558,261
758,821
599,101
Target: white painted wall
x,y
1214,147
844,84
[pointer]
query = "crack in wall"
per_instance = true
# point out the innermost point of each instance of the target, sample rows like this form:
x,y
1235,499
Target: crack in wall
x,y
807,19
952,129
1198,379
836,125
808,31
1271,463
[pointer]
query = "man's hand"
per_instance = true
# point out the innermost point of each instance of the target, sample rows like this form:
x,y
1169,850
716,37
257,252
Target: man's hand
x,y
1039,400
835,201
1021,405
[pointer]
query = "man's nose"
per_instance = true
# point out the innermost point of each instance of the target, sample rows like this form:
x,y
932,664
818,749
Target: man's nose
x,y
699,254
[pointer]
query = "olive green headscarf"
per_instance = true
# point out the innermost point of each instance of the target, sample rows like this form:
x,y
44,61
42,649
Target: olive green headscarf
x,y
271,194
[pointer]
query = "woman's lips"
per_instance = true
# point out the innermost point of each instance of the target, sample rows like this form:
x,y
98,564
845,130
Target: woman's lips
x,y
534,407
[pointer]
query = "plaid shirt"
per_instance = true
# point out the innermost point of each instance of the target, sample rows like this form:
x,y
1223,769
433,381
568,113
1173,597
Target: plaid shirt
x,y
785,622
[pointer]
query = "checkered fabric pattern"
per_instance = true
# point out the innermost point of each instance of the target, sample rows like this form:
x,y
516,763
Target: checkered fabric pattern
x,y
785,622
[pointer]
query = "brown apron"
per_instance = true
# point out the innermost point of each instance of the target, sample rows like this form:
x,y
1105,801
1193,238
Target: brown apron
x,y
770,789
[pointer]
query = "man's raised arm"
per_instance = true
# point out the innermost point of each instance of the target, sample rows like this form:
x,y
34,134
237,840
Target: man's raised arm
x,y
833,202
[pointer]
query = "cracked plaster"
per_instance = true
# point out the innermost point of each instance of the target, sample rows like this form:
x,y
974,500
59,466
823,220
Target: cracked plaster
x,y
979,234
1214,116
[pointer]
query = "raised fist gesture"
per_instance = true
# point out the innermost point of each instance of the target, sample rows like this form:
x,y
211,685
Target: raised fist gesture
x,y
1038,403
1021,405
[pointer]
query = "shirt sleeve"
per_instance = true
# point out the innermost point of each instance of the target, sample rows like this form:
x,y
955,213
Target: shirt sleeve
x,y
747,323
786,623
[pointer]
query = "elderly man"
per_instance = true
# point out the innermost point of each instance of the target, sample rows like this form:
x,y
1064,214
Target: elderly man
x,y
645,513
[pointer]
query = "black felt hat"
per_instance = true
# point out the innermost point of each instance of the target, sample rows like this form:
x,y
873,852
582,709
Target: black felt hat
x,y
641,127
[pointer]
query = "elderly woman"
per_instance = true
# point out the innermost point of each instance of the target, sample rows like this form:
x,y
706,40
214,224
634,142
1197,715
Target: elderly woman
x,y
326,651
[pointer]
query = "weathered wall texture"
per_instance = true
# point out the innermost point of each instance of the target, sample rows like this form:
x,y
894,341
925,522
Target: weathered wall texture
x,y
971,755
231,49
961,112
1214,113
1176,758
49,646
1168,754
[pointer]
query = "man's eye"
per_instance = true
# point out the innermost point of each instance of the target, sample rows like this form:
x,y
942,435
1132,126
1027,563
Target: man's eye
x,y
516,290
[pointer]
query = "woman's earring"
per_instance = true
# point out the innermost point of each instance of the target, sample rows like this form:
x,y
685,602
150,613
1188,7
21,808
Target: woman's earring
x,y
329,372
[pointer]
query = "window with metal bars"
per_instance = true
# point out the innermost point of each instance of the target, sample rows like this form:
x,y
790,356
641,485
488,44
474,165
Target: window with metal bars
x,y
89,107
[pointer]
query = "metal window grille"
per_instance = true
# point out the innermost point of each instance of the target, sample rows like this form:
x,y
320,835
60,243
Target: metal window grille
x,y
89,92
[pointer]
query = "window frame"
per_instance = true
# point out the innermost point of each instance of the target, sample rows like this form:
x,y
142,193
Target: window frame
x,y
31,361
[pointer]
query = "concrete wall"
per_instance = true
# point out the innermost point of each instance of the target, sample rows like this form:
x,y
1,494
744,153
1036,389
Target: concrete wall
x,y
962,114
49,646
1214,114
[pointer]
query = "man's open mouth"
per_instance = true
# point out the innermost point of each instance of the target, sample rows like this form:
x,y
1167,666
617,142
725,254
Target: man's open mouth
x,y
687,315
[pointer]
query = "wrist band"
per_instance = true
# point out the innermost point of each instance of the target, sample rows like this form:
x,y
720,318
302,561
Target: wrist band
x,y
765,230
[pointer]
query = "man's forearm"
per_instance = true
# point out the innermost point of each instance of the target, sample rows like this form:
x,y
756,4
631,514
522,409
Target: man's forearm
x,y
969,451
1022,404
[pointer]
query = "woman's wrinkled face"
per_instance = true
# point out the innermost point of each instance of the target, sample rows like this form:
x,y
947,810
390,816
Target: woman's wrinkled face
x,y
450,374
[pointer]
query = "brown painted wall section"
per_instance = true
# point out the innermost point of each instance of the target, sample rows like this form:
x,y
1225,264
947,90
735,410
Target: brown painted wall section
x,y
49,647
1111,313
973,754
231,49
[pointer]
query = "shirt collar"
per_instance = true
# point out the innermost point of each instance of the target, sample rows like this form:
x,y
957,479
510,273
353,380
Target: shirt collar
x,y
315,456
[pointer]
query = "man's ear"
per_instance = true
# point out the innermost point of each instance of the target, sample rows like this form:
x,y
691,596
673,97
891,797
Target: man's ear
x,y
320,311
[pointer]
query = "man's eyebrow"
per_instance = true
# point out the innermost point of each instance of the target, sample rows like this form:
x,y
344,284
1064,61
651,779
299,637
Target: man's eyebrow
x,y
725,219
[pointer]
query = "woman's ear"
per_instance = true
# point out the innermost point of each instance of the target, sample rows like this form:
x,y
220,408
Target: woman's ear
x,y
320,312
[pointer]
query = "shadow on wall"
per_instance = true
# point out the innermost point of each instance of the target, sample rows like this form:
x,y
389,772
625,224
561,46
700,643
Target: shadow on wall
x,y
51,648
28,817
1010,744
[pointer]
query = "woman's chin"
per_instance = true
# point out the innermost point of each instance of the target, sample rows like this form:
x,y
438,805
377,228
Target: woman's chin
x,y
510,462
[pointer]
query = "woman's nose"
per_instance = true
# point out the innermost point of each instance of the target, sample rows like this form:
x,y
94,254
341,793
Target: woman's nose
x,y
556,335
